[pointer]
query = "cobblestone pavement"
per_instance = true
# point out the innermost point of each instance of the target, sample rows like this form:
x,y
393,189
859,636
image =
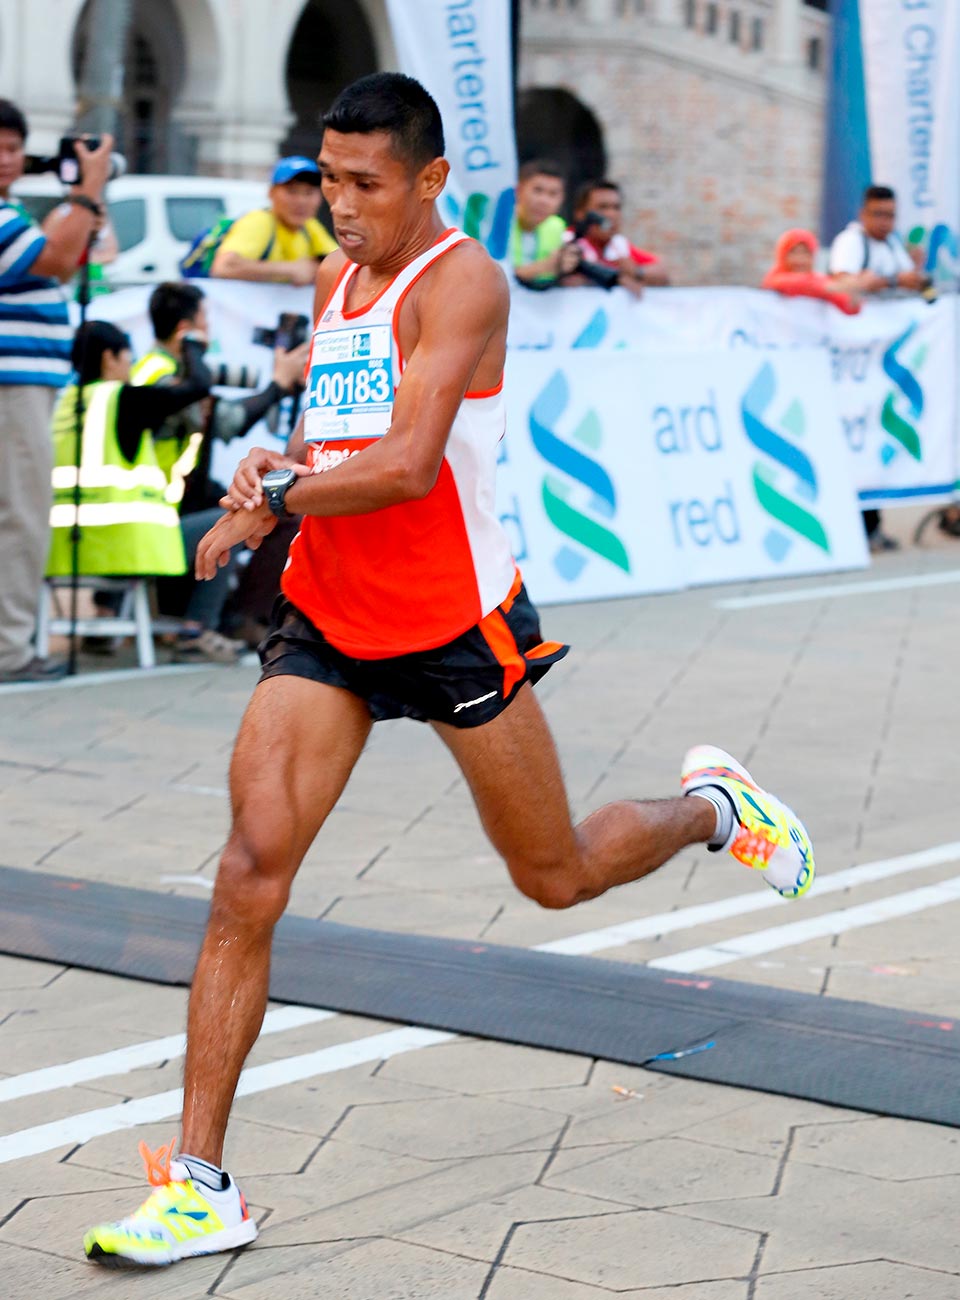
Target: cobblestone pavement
x,y
471,1170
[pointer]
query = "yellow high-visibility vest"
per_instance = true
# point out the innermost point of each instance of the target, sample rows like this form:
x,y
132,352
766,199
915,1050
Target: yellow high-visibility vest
x,y
127,525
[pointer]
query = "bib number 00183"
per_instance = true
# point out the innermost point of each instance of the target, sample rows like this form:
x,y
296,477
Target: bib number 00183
x,y
351,387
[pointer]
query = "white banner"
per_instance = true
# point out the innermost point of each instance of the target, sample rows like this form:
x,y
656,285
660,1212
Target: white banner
x,y
461,51
892,368
911,53
622,475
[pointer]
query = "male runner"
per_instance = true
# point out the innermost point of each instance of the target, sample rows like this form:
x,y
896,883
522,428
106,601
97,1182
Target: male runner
x,y
400,599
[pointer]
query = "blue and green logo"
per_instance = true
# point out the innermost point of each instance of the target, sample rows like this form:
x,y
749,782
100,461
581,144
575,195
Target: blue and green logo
x,y
588,530
790,506
484,218
939,242
903,406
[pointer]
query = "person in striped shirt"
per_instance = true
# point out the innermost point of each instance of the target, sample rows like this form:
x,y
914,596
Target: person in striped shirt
x,y
35,339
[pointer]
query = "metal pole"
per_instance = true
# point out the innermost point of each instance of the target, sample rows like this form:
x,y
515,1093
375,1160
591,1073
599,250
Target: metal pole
x,y
100,92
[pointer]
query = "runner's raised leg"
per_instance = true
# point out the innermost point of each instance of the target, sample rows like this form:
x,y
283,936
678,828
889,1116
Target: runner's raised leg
x,y
513,771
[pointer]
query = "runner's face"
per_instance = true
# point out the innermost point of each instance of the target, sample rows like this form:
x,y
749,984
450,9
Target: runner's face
x,y
379,206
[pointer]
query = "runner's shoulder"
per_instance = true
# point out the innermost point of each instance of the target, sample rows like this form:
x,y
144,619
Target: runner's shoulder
x,y
468,266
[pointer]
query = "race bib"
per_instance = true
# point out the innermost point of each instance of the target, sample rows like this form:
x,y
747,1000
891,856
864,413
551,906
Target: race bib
x,y
350,387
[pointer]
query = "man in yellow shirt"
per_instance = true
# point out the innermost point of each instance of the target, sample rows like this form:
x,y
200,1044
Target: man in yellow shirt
x,y
283,243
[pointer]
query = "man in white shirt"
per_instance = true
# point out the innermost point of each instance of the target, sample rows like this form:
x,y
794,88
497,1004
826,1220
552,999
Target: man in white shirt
x,y
874,255
870,251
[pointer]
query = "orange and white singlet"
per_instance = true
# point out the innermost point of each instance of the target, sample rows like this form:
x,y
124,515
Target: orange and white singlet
x,y
411,576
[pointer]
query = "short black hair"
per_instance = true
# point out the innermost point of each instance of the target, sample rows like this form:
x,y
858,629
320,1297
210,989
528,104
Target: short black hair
x,y
11,118
582,196
878,192
397,104
91,341
170,303
540,167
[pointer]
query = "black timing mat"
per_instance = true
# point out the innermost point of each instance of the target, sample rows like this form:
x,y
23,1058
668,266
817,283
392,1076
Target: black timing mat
x,y
849,1054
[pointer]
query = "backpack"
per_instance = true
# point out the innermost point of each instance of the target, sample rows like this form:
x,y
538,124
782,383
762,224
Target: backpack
x,y
198,259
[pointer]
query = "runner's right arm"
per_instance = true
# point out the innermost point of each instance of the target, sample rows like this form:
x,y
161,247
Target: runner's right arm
x,y
244,492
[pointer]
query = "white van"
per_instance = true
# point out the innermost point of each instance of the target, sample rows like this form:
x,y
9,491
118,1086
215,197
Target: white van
x,y
155,218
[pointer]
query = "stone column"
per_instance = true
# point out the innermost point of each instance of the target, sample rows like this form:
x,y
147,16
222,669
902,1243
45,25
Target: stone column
x,y
789,51
666,13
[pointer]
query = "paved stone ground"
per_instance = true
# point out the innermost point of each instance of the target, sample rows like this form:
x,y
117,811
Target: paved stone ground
x,y
481,1171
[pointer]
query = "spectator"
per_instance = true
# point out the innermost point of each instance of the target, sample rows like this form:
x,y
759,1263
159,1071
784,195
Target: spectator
x,y
603,242
538,251
179,319
874,256
870,251
34,363
281,244
128,526
792,274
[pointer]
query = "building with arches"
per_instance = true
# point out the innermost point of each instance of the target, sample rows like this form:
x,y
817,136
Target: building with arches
x,y
709,112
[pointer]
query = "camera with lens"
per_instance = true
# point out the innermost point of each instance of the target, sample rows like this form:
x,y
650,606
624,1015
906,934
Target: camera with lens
x,y
290,331
606,277
231,374
66,164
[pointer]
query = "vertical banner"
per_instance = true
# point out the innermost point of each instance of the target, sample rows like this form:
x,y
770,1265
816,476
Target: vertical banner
x,y
461,51
911,53
847,160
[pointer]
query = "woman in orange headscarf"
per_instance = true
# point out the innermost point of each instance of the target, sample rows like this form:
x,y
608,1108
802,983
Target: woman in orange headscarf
x,y
792,274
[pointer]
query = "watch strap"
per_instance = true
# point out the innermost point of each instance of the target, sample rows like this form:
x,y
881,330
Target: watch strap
x,y
85,201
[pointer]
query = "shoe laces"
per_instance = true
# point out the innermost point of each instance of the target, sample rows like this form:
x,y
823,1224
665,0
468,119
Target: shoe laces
x,y
157,1163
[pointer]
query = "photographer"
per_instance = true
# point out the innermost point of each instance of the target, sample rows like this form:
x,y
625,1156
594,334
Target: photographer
x,y
35,362
128,526
179,318
598,221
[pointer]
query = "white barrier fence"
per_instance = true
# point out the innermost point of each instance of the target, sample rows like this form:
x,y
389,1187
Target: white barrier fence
x,y
695,436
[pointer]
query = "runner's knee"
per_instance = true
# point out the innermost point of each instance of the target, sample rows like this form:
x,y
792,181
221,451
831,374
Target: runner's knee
x,y
253,882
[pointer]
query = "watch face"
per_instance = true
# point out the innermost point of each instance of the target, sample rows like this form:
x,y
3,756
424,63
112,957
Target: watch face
x,y
275,478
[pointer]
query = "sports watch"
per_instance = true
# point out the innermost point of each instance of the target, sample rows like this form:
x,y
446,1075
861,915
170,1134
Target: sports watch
x,y
276,483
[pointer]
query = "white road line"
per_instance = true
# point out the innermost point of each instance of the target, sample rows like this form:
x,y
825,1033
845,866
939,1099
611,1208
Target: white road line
x,y
81,1128
138,1055
648,927
814,927
261,1078
831,590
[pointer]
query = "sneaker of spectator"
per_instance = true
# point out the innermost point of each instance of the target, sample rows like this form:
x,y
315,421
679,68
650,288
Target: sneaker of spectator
x,y
603,242
34,670
538,251
872,254
792,274
284,243
203,645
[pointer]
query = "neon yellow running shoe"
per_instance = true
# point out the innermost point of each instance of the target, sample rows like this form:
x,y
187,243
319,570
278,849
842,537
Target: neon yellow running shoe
x,y
766,835
181,1217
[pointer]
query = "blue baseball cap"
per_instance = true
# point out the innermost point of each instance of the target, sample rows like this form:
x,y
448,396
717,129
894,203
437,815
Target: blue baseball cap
x,y
295,168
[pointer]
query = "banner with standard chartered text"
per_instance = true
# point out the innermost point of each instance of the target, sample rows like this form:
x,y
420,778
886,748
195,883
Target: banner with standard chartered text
x,y
892,368
461,51
911,54
621,474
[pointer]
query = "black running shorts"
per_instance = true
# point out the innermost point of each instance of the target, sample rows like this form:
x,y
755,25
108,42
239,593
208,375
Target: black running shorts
x,y
465,683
